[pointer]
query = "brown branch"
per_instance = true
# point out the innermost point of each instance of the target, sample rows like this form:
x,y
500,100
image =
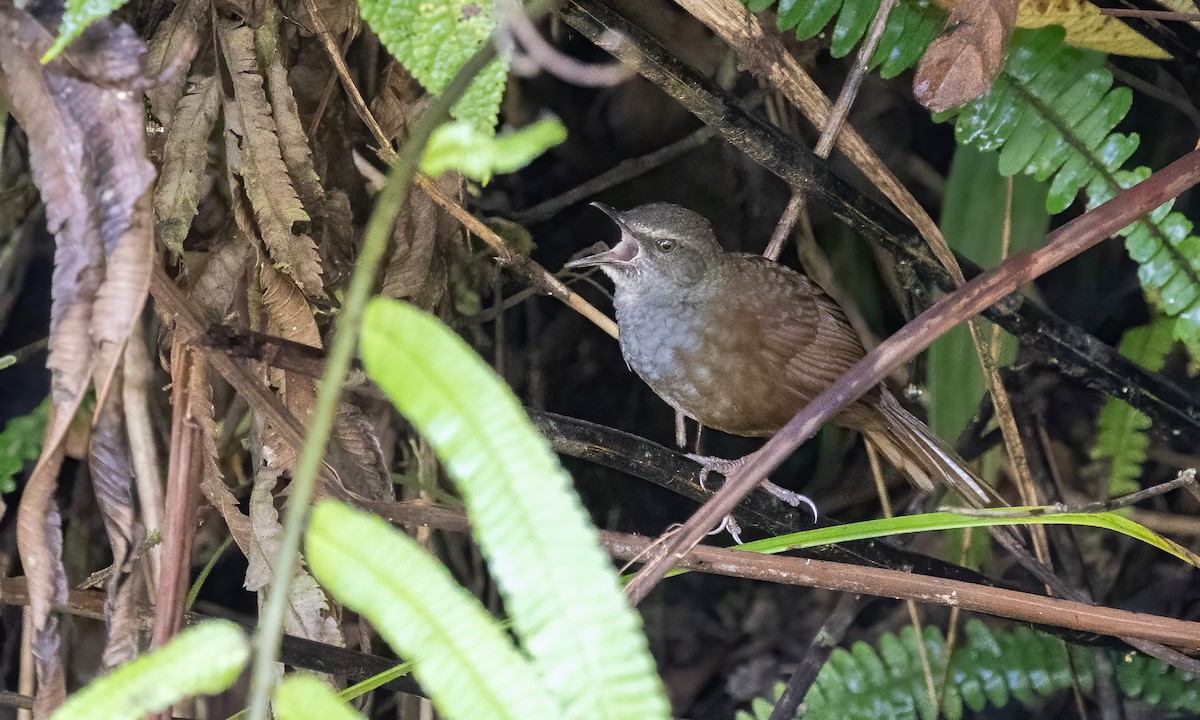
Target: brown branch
x,y
1061,245
1000,602
1152,14
879,582
184,467
298,652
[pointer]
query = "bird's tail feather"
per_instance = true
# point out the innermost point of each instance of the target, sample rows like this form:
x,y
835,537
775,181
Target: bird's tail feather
x,y
924,458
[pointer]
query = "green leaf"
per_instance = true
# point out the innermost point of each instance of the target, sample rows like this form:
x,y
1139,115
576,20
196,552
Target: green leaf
x,y
972,221
303,697
1121,437
78,15
911,26
989,517
459,652
989,666
433,39
21,443
1051,113
945,520
202,660
557,584
477,154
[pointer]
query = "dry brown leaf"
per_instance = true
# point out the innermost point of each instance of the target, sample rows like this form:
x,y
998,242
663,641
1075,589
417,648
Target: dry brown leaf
x,y
293,141
355,438
310,614
960,66
257,159
123,292
221,283
422,238
335,235
175,43
112,471
397,101
185,157
83,118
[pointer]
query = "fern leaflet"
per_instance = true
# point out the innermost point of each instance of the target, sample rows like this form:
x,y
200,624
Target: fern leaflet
x,y
1122,429
990,667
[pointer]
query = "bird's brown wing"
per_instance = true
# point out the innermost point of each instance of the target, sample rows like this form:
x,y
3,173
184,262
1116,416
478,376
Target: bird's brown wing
x,y
802,340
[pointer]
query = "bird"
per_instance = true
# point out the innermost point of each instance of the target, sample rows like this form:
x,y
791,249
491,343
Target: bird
x,y
741,343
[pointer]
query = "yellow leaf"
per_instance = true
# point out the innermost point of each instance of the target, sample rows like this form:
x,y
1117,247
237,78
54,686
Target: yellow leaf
x,y
1087,27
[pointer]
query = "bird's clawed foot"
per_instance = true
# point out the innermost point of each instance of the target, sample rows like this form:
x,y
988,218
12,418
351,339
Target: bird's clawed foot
x,y
726,467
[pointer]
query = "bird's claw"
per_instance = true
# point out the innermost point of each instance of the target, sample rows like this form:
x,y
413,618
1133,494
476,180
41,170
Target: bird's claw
x,y
710,464
794,499
728,524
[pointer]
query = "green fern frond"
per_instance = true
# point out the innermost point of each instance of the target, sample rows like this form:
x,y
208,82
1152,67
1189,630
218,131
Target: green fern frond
x,y
990,667
1121,438
911,26
1051,114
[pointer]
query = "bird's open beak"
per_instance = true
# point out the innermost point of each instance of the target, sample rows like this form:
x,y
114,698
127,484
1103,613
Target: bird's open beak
x,y
623,253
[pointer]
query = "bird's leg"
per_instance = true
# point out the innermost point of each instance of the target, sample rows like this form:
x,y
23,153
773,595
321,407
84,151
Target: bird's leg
x,y
725,467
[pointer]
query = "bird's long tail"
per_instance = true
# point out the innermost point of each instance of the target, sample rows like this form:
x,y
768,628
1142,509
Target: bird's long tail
x,y
924,458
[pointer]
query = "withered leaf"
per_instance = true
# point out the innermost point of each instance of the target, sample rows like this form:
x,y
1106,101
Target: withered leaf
x,y
310,614
357,440
335,236
83,118
277,208
185,158
422,238
289,315
175,44
960,67
293,141
397,101
221,282
112,469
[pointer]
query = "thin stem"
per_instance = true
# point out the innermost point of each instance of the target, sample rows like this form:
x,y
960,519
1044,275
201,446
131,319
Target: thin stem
x,y
387,207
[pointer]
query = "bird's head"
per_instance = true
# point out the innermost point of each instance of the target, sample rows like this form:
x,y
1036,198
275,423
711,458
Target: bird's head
x,y
661,243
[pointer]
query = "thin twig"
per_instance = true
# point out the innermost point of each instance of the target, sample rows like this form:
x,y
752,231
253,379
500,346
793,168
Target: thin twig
x,y
833,123
1168,15
621,172
563,67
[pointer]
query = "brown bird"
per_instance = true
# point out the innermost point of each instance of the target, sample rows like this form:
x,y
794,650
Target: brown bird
x,y
740,343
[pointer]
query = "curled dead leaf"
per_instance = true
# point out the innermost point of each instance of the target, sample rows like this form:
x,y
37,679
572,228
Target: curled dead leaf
x,y
257,159
960,66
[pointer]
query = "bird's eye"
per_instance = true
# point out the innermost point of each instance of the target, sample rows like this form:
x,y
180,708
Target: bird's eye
x,y
665,245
